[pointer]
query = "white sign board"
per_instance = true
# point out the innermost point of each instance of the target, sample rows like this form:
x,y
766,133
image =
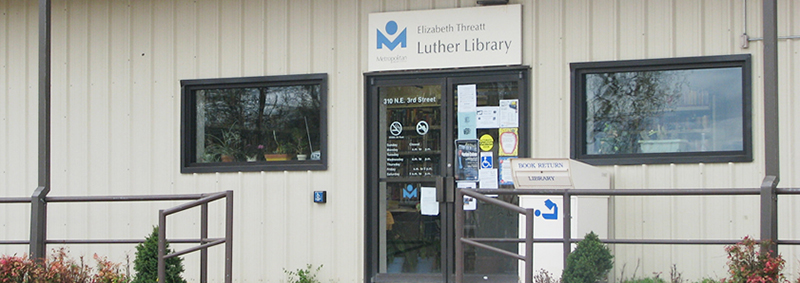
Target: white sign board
x,y
445,38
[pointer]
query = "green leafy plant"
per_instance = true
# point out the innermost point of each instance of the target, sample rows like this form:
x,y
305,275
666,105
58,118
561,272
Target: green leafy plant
x,y
303,275
146,262
747,264
299,140
229,144
654,279
543,276
108,272
590,262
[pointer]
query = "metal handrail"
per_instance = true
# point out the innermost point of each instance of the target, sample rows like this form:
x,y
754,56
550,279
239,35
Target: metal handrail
x,y
205,242
197,199
769,220
87,199
478,242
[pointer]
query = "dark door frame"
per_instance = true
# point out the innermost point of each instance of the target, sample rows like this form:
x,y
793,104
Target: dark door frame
x,y
371,118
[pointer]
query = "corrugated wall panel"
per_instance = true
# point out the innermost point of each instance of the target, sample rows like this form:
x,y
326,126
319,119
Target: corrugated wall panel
x,y
548,96
789,76
5,180
15,81
120,137
116,105
660,29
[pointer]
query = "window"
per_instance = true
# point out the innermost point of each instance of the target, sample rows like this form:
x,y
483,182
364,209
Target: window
x,y
254,124
678,110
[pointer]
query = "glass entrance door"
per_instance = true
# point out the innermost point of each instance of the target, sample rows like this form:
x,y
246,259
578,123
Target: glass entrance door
x,y
417,134
410,162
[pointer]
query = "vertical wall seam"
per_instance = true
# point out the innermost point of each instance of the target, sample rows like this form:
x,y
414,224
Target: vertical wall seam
x,y
28,55
285,215
264,38
672,209
34,123
67,100
88,89
646,22
674,27
6,131
242,36
732,202
703,26
131,83
109,222
617,30
219,36
564,79
153,96
176,114
287,40
310,39
309,216
90,110
335,71
109,90
704,211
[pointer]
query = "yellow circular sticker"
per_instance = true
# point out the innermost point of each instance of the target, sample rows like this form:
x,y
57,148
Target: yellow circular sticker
x,y
486,142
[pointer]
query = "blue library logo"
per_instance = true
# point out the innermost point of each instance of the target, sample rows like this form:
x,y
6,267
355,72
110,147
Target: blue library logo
x,y
391,29
410,192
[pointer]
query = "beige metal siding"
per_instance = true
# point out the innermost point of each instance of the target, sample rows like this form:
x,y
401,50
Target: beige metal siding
x,y
116,106
18,115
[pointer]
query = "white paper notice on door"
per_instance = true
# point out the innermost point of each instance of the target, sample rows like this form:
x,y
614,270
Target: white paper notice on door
x,y
428,204
487,117
509,113
467,99
470,203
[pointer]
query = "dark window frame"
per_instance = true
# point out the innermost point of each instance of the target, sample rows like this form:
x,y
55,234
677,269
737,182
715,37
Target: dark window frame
x,y
578,72
189,124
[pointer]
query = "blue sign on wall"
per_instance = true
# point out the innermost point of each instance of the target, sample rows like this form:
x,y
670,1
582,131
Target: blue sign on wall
x,y
320,196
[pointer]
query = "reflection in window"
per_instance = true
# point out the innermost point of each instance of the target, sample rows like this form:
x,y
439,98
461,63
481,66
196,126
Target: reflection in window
x,y
664,111
641,109
256,123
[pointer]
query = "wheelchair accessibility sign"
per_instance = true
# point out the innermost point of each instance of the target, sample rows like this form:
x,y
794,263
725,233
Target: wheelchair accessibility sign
x,y
486,160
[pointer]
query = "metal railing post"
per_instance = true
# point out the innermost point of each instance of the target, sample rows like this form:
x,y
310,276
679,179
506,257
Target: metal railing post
x,y
459,234
38,241
769,215
567,229
529,245
162,243
203,237
229,237
38,236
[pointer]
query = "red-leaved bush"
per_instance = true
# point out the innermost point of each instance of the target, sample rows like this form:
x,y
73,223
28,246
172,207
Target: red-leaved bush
x,y
747,264
58,268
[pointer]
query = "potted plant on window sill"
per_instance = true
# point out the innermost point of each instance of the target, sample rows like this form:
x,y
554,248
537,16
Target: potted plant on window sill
x,y
253,151
281,153
657,140
300,144
226,148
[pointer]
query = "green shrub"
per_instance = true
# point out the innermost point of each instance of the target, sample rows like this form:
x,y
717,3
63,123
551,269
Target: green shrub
x,y
146,262
307,275
645,280
589,262
543,276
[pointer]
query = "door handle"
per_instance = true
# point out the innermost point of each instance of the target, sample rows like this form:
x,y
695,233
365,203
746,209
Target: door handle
x,y
445,189
440,189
